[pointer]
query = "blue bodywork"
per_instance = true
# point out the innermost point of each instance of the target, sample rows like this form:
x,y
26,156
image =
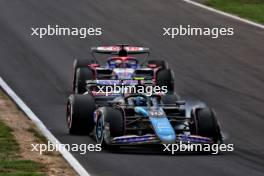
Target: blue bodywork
x,y
164,132
160,123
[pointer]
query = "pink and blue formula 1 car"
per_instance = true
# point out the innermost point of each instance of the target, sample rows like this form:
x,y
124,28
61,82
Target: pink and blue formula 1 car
x,y
121,65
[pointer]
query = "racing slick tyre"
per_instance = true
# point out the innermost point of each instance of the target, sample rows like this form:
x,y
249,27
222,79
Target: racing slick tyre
x,y
110,123
80,110
80,64
82,74
158,63
206,125
165,77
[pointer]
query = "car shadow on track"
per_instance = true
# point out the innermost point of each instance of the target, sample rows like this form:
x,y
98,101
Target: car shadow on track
x,y
154,150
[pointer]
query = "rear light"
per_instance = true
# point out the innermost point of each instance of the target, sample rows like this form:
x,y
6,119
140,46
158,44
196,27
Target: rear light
x,y
152,65
94,65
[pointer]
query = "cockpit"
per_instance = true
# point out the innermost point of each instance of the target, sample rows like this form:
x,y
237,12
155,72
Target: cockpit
x,y
143,100
123,62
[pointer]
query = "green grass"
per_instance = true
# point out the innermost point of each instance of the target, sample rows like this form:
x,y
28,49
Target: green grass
x,y
8,145
250,9
10,162
20,167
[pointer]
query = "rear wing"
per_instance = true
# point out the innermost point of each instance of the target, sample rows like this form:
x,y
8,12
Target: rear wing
x,y
123,82
120,50
115,49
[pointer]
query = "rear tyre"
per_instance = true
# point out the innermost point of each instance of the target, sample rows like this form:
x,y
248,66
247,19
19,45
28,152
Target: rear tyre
x,y
206,125
158,63
165,77
82,74
109,124
80,64
80,111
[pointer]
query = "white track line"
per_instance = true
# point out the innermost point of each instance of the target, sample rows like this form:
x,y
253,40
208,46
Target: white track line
x,y
67,155
224,13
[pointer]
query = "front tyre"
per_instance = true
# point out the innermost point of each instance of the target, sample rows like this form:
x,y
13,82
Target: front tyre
x,y
80,111
110,123
205,124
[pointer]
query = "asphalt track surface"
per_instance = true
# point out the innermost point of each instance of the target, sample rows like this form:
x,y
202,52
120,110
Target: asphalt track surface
x,y
227,73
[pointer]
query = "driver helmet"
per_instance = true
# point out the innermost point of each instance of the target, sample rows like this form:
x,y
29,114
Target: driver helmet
x,y
140,101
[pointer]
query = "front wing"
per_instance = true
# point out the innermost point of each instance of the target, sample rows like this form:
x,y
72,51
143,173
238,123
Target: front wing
x,y
153,139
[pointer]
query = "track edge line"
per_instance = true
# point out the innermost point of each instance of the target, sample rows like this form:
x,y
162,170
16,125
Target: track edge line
x,y
43,129
224,13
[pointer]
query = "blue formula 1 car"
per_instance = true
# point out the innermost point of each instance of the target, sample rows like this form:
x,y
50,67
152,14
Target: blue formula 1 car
x,y
121,64
137,119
